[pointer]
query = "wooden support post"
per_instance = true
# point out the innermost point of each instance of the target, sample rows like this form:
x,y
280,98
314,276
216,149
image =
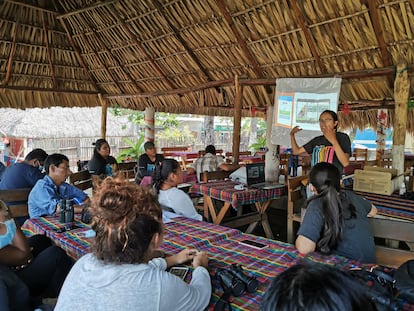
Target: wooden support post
x,y
237,119
401,94
149,119
104,111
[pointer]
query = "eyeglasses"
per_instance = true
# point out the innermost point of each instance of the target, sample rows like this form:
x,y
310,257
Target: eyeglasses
x,y
325,120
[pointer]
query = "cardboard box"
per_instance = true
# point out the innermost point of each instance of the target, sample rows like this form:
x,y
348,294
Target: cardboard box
x,y
376,180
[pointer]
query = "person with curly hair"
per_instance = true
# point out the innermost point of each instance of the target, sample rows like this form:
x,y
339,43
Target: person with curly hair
x,y
336,220
121,273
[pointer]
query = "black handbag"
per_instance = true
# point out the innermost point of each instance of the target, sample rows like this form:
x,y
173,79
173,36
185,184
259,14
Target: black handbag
x,y
404,281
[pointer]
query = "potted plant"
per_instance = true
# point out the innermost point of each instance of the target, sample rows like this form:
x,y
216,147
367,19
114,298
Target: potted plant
x,y
133,152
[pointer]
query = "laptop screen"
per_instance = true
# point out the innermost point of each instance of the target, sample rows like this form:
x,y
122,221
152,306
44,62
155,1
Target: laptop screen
x,y
255,173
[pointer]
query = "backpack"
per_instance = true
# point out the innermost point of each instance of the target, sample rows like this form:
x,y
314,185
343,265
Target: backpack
x,y
388,288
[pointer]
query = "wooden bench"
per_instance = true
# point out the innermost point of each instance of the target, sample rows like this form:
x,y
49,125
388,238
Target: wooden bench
x,y
394,230
128,169
81,180
170,151
16,200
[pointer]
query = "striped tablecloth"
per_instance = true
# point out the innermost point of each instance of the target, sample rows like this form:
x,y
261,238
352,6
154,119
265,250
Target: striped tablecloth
x,y
391,205
224,191
221,244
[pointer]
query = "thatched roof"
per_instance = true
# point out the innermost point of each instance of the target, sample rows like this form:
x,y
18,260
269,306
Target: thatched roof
x,y
57,122
183,56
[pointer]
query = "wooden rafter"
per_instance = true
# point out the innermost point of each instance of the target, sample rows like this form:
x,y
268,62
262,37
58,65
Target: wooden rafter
x,y
115,59
373,13
114,81
54,31
48,52
134,38
33,7
190,52
148,56
79,56
94,6
242,43
299,17
11,56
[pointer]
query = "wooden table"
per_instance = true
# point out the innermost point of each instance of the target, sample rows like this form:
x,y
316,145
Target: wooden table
x,y
225,191
221,244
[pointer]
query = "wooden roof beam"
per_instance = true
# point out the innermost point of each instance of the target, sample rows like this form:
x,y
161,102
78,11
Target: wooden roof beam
x,y
3,19
242,43
190,52
49,54
361,74
11,56
50,90
200,87
94,6
379,35
79,56
33,7
311,43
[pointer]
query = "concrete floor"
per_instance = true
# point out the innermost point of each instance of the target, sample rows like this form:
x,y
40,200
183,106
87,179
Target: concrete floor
x,y
277,215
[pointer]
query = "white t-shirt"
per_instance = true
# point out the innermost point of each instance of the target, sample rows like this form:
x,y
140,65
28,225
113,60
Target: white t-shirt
x,y
180,202
92,285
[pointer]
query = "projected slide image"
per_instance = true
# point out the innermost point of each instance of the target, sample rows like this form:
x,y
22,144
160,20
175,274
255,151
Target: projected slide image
x,y
308,110
284,111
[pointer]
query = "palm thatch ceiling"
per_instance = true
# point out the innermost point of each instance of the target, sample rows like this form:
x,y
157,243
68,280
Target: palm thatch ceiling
x,y
183,56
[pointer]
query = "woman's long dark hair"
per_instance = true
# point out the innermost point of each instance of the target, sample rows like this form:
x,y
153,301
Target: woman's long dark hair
x,y
325,177
162,171
98,144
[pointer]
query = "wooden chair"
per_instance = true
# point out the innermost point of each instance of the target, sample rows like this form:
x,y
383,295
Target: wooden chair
x,y
16,201
128,169
188,159
81,180
394,230
203,152
305,163
206,177
294,199
215,175
360,154
284,165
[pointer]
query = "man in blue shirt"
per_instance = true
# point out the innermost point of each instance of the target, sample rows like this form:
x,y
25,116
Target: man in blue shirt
x,y
24,174
47,193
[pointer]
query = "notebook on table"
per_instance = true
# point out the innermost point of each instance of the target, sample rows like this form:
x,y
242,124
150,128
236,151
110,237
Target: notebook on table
x,y
255,175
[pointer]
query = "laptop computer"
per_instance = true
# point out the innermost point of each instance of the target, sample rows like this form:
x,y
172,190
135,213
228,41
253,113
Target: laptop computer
x,y
255,175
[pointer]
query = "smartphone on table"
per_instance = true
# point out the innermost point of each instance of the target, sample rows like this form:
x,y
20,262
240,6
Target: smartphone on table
x,y
253,244
181,272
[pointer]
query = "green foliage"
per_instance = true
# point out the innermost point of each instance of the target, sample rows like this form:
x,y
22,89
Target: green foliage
x,y
134,151
175,134
261,143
